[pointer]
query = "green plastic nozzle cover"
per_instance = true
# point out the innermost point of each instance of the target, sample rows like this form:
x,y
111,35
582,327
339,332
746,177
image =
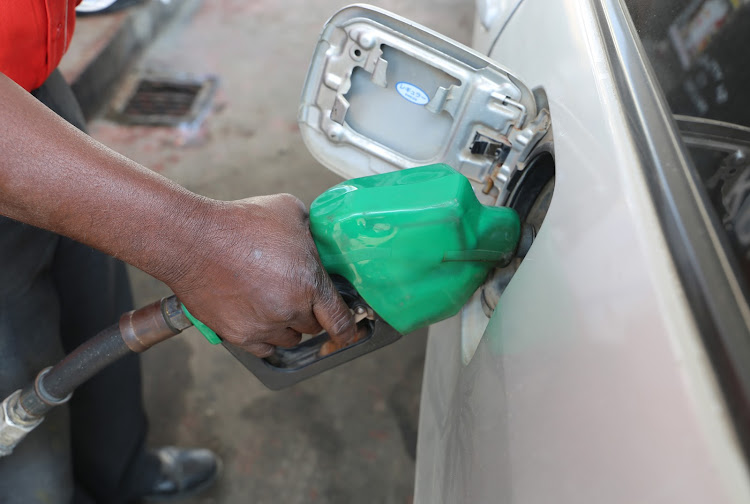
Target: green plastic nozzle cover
x,y
415,243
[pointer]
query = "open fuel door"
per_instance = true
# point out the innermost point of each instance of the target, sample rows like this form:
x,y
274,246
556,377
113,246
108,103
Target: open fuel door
x,y
384,93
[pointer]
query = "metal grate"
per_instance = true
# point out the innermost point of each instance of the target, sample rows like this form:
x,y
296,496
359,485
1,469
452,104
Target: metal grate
x,y
166,100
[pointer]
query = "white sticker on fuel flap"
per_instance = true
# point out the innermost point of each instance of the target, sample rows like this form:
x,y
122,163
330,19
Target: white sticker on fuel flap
x,y
412,93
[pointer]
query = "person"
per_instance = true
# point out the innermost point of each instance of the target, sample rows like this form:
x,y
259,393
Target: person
x,y
249,269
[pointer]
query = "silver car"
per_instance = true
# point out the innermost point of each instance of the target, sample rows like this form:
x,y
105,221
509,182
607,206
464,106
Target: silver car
x,y
611,364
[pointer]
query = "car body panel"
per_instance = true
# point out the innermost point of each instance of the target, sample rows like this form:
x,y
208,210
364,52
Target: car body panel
x,y
591,383
491,18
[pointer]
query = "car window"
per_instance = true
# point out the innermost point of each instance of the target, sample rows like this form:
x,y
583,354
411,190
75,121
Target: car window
x,y
698,49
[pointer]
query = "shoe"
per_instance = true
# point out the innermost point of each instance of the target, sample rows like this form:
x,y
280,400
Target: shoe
x,y
182,473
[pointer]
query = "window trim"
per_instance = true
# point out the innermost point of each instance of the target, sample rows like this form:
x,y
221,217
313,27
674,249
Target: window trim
x,y
703,267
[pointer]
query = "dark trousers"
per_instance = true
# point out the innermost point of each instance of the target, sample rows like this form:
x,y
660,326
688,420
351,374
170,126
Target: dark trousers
x,y
54,294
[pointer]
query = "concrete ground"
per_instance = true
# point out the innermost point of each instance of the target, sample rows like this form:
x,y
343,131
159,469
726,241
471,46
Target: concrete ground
x,y
347,436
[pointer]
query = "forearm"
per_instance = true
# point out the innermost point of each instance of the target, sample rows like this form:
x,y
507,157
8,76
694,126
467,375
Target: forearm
x,y
55,177
247,268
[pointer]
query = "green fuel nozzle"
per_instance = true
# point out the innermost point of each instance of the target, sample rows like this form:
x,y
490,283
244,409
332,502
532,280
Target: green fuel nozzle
x,y
414,243
406,249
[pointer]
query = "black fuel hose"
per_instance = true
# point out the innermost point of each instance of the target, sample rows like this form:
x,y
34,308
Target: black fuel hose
x,y
136,331
53,386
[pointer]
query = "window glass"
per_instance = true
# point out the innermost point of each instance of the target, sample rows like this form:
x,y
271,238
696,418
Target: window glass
x,y
700,51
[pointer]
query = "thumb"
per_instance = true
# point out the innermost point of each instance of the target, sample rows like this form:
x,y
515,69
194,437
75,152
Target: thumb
x,y
332,313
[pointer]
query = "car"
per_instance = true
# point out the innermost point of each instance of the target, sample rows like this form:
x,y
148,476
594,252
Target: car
x,y
611,363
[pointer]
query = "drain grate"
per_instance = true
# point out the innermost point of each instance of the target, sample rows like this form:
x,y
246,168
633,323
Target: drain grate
x,y
165,100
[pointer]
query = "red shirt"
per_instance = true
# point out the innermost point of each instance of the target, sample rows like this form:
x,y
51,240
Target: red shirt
x,y
34,35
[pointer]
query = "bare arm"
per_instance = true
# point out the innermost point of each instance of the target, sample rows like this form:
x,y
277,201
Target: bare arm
x,y
248,268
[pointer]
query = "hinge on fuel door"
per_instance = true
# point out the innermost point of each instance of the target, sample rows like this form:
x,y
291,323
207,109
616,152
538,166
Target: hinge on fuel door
x,y
511,153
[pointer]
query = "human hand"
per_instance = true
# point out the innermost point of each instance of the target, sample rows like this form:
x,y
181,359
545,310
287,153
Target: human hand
x,y
248,269
253,275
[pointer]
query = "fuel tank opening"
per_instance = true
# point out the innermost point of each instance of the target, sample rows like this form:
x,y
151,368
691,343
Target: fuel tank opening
x,y
530,197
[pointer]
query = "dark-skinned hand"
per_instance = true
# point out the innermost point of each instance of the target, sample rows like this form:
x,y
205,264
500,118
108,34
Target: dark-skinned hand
x,y
256,279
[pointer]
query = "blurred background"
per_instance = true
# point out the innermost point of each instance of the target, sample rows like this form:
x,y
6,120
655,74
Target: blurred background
x,y
348,435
